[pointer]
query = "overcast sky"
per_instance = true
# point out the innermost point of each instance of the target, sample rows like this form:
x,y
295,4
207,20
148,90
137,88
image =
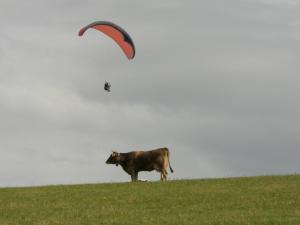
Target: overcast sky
x,y
217,82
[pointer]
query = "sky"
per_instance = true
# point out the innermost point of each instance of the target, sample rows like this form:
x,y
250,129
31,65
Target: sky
x,y
217,82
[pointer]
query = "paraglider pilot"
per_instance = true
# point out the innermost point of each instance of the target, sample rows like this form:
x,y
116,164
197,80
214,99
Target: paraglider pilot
x,y
107,86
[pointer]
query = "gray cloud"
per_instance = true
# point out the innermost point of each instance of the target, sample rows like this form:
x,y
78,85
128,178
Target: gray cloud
x,y
217,82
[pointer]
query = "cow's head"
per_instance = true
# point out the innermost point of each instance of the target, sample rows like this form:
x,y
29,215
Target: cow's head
x,y
114,158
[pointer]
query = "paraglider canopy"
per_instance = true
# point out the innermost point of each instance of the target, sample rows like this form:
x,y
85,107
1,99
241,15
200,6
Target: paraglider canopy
x,y
118,34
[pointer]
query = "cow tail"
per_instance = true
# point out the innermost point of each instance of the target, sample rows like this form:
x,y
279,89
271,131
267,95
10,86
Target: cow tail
x,y
168,154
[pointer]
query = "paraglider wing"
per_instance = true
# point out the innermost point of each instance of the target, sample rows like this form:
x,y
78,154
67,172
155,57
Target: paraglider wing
x,y
119,35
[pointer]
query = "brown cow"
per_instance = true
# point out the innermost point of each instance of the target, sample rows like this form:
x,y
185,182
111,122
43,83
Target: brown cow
x,y
134,162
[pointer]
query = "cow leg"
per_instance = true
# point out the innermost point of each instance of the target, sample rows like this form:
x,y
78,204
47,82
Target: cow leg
x,y
134,176
162,176
165,173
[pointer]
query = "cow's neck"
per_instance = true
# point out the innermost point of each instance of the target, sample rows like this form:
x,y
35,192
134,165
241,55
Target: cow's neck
x,y
123,161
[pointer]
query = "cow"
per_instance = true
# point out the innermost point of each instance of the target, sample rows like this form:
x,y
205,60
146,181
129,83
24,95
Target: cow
x,y
136,161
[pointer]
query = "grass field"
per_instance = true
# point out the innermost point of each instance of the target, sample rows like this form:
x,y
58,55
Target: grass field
x,y
234,201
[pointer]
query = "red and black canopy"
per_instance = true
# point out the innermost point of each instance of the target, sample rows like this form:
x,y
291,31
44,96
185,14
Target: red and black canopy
x,y
118,34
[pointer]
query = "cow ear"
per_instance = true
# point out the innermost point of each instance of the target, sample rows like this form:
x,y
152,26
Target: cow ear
x,y
114,153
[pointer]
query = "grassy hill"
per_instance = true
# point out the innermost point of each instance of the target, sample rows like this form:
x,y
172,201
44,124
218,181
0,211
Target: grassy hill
x,y
234,201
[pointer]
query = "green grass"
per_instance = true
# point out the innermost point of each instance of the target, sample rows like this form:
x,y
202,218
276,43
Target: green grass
x,y
234,201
